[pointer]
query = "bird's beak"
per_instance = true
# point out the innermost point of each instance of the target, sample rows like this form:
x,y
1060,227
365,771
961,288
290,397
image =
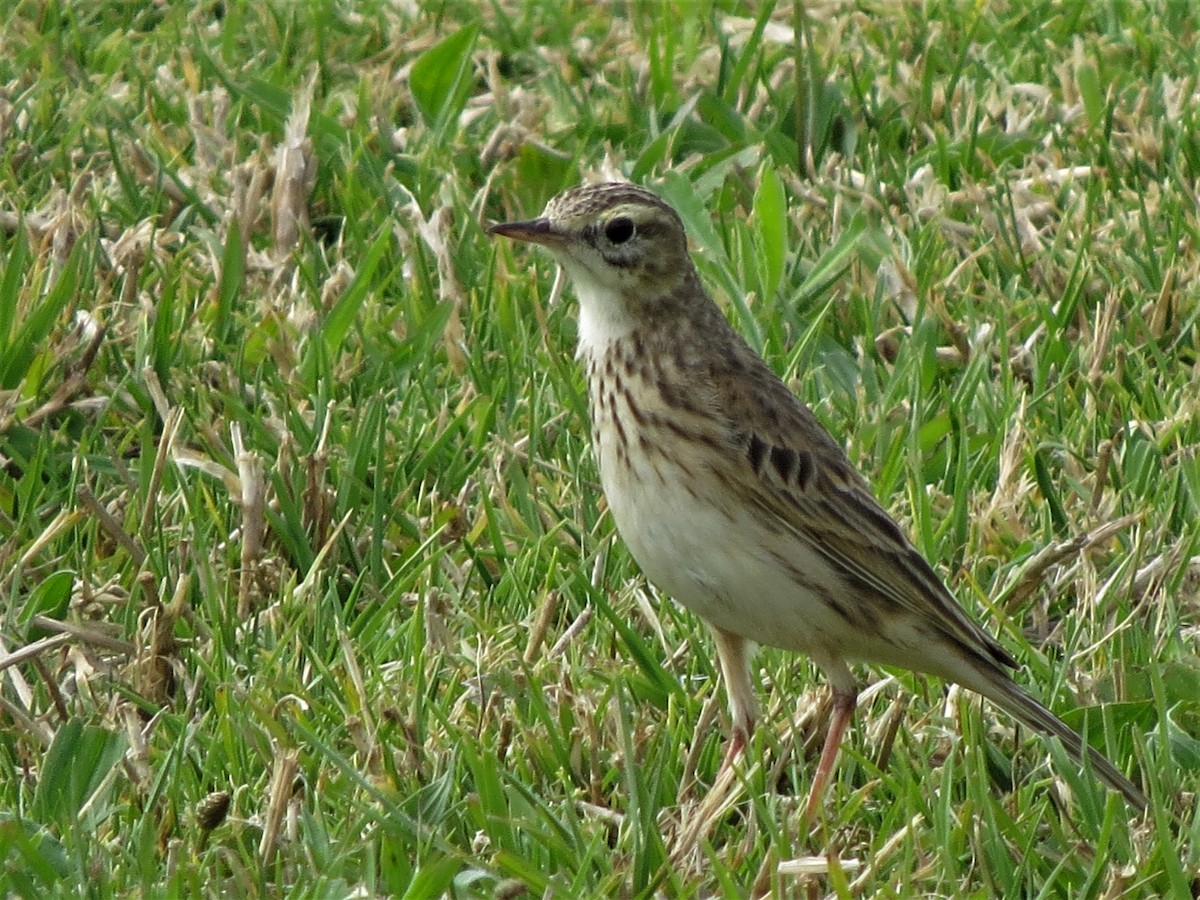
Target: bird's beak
x,y
535,231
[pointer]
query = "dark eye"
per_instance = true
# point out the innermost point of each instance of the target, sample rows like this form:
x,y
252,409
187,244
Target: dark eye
x,y
619,230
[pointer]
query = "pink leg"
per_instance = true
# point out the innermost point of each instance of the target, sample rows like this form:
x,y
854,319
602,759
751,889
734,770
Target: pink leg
x,y
734,748
843,711
733,655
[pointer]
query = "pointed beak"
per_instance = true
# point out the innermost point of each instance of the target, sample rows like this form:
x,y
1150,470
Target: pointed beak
x,y
535,231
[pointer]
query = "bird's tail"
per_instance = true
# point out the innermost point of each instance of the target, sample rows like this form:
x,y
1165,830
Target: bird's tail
x,y
1014,700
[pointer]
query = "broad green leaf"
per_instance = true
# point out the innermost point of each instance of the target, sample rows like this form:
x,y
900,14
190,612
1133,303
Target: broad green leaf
x,y
29,337
33,857
229,286
10,285
1045,481
341,317
75,766
433,879
50,598
1087,79
770,227
439,79
834,260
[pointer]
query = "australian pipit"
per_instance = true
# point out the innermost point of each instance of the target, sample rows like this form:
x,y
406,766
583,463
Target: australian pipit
x,y
732,497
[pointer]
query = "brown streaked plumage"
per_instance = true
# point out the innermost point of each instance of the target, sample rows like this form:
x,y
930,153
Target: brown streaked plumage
x,y
732,497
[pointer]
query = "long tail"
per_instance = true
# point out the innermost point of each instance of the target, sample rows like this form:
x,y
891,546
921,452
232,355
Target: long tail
x,y
1012,698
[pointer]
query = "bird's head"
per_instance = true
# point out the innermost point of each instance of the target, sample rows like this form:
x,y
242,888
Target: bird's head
x,y
619,243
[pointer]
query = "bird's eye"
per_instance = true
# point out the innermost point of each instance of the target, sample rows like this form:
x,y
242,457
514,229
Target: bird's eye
x,y
619,230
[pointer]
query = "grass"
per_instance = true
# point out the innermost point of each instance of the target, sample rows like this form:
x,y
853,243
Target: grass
x,y
307,581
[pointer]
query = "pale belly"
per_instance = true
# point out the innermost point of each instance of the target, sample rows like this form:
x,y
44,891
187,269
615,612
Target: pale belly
x,y
713,558
733,564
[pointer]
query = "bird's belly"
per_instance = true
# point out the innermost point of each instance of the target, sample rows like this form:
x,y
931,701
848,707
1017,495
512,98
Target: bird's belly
x,y
718,561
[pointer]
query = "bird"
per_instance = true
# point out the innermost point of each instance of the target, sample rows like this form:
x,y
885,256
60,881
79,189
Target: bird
x,y
733,498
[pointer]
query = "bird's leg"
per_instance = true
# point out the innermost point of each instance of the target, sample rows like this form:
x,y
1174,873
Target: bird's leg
x,y
737,742
843,710
733,655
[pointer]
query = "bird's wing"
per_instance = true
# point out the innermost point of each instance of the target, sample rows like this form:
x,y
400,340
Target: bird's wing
x,y
801,479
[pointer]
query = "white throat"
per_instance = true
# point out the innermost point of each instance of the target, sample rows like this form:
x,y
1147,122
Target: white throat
x,y
603,319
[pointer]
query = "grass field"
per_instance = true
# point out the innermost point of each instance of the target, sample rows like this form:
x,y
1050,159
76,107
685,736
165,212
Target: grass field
x,y
307,582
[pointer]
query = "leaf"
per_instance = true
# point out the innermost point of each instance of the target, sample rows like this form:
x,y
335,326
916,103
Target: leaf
x,y
931,432
770,226
1087,79
834,260
439,78
433,879
1045,482
1185,750
76,765
677,190
342,316
50,598
229,287
658,685
33,857
737,77
29,339
10,285
1181,680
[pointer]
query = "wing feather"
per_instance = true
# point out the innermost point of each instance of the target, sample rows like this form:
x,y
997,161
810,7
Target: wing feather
x,y
801,479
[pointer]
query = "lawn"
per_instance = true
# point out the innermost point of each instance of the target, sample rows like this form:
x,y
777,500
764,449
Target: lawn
x,y
307,584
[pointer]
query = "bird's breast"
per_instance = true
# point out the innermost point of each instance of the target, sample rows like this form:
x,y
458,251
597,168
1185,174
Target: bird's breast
x,y
664,460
